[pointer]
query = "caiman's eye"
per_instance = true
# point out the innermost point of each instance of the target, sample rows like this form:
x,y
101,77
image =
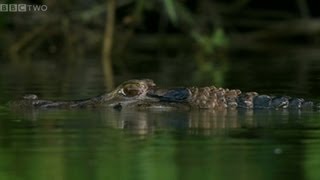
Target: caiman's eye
x,y
130,91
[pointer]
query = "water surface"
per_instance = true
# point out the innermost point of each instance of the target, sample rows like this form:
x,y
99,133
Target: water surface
x,y
111,144
108,144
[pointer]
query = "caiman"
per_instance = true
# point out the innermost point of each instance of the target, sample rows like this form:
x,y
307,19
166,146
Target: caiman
x,y
145,94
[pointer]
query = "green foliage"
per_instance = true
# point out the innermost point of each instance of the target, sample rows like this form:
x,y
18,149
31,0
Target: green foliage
x,y
208,72
171,10
212,41
209,68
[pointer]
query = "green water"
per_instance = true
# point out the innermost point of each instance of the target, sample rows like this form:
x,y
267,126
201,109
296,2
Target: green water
x,y
110,144
107,144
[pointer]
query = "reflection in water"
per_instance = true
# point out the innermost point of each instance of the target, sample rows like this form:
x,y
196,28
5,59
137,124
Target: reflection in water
x,y
143,122
108,144
204,122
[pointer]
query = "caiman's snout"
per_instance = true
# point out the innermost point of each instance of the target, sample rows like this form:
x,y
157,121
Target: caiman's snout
x,y
170,95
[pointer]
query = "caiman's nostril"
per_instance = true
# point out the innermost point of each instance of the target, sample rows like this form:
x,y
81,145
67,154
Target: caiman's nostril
x,y
30,97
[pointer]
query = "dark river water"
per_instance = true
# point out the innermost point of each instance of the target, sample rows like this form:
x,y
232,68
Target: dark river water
x,y
158,144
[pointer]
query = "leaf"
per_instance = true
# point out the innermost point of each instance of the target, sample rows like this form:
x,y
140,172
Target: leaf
x,y
219,39
169,5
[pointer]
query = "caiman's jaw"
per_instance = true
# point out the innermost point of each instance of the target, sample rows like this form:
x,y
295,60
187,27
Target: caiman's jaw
x,y
130,93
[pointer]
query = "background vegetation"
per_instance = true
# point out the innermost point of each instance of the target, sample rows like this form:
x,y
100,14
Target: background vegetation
x,y
157,36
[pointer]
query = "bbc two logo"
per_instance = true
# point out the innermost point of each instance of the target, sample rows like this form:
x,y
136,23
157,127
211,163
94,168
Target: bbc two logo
x,y
22,7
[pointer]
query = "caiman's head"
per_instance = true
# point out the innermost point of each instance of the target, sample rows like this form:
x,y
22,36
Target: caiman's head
x,y
130,93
